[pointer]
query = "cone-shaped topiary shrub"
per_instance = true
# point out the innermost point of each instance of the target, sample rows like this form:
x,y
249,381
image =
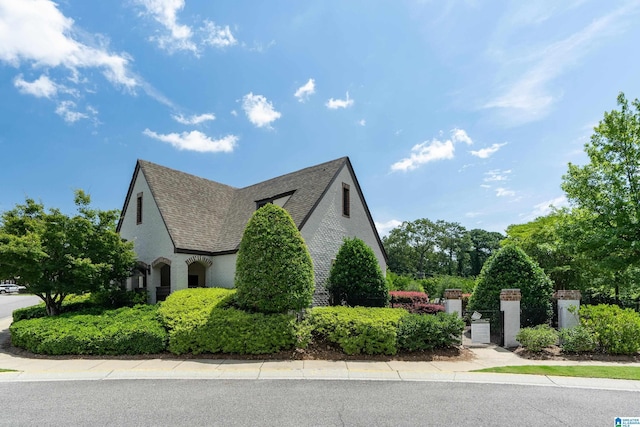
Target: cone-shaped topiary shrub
x,y
511,268
274,271
356,278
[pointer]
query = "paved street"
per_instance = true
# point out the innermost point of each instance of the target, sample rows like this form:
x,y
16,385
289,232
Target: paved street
x,y
302,403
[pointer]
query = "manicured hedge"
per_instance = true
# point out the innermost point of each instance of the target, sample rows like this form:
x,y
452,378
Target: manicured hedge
x,y
72,303
419,332
356,330
229,330
123,331
201,321
191,307
96,301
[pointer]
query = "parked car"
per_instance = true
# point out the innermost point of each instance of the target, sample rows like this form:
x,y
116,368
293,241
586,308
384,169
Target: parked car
x,y
7,288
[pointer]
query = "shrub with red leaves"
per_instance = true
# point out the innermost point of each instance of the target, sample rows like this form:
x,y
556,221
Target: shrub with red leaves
x,y
414,302
408,297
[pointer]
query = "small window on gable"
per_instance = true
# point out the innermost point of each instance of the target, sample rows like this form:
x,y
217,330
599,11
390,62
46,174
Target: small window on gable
x,y
346,201
139,209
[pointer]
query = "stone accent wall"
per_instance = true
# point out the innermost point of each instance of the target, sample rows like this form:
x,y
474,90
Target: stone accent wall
x,y
568,294
510,295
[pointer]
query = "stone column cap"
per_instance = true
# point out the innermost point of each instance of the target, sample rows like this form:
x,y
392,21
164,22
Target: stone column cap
x,y
568,294
510,295
453,294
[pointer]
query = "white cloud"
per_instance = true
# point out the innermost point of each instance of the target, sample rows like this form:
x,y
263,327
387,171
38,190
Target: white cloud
x,y
472,214
68,111
259,111
193,120
527,98
544,208
385,227
431,151
334,104
362,122
305,91
503,192
459,135
180,37
217,36
36,32
484,153
43,87
195,141
496,175
165,13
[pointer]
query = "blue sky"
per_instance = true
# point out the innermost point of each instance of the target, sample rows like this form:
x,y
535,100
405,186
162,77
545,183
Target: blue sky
x,y
465,111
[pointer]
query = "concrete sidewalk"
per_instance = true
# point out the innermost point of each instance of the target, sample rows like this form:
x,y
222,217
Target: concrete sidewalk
x,y
63,369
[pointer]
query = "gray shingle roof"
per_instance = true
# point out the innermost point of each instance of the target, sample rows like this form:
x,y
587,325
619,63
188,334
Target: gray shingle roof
x,y
206,216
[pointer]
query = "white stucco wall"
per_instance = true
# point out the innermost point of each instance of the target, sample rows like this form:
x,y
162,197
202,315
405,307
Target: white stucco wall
x,y
151,241
326,229
223,271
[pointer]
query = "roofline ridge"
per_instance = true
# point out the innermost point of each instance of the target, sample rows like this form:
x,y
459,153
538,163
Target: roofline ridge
x,y
343,158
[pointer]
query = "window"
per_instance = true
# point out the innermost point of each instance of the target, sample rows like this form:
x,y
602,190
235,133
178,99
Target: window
x,y
279,200
139,209
346,202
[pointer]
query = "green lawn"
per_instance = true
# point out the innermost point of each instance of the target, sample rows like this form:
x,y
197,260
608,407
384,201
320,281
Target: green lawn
x,y
616,372
7,370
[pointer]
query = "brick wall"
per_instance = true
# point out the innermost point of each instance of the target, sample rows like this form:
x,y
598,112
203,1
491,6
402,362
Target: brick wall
x,y
510,295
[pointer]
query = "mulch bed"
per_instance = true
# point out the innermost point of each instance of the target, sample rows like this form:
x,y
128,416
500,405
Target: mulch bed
x,y
555,353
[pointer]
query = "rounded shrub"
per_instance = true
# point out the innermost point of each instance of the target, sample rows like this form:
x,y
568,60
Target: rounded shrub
x,y
537,338
617,330
511,268
274,271
356,278
578,340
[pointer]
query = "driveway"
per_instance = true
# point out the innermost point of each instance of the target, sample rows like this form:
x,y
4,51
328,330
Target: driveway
x,y
10,302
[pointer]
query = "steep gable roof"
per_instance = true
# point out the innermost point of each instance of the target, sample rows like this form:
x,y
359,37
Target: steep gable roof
x,y
208,217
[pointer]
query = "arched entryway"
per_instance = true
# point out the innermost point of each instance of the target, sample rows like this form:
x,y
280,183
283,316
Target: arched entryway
x,y
197,271
163,266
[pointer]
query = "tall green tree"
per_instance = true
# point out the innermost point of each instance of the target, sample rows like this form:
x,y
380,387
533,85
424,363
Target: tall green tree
x,y
54,254
453,245
483,245
605,194
543,240
410,246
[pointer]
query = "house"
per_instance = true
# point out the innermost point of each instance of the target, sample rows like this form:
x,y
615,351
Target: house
x,y
187,230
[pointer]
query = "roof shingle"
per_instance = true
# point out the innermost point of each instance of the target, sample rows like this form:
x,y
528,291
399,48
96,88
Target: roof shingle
x,y
207,216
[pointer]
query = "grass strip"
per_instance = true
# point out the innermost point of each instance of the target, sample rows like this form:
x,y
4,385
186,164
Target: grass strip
x,y
613,372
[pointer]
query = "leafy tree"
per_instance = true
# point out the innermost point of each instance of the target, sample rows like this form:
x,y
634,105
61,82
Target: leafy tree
x,y
543,240
483,245
410,246
355,276
511,268
605,194
274,271
55,255
453,245
423,248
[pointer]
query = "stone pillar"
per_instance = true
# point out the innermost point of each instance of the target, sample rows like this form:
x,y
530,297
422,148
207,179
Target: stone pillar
x,y
453,301
510,305
566,300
